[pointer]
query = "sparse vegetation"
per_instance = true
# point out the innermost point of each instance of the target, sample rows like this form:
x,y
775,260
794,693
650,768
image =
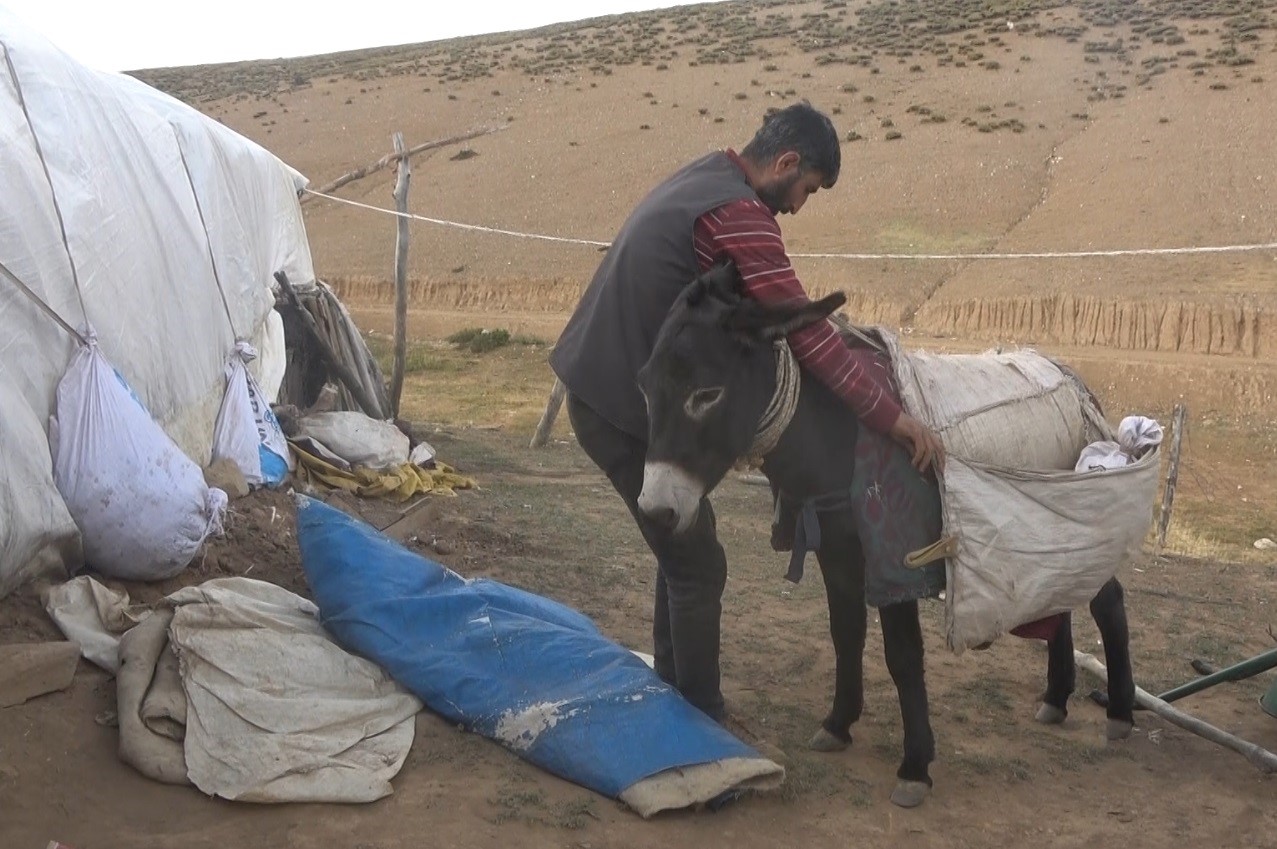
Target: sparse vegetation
x,y
479,340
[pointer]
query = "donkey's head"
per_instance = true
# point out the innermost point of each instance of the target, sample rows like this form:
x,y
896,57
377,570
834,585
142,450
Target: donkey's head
x,y
707,384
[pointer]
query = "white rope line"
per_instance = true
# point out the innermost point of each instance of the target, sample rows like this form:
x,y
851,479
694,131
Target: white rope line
x,y
458,224
1205,249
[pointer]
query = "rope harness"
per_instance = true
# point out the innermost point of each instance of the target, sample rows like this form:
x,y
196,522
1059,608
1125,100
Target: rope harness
x,y
780,410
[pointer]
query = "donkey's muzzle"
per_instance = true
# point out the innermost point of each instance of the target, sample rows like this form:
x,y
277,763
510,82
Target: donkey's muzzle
x,y
671,497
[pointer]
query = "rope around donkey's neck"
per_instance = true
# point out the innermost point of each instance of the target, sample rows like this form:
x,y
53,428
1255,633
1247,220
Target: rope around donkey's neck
x,y
780,410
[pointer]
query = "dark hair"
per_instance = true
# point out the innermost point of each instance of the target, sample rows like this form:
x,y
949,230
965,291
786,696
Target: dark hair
x,y
803,129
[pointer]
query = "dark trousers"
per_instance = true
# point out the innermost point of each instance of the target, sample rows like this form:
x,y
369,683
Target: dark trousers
x,y
691,569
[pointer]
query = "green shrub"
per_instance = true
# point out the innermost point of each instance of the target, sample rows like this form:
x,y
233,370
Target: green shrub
x,y
478,340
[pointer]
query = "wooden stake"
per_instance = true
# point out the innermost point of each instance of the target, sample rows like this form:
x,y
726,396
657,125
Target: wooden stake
x,y
343,372
555,401
391,158
401,276
1172,475
1259,757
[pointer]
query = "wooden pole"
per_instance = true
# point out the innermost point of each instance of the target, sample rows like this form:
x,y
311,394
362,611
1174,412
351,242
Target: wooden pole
x,y
391,158
1172,475
555,401
401,276
343,372
1259,757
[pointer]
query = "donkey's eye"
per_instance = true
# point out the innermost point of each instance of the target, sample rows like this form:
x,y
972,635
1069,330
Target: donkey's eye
x,y
702,401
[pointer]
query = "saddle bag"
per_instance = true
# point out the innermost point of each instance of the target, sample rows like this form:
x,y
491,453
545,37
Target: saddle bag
x,y
1025,535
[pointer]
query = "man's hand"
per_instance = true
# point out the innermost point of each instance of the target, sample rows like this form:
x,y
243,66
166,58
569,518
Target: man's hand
x,y
926,447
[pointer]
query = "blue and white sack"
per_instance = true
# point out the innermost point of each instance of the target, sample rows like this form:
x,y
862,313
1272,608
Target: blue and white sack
x,y
142,506
246,431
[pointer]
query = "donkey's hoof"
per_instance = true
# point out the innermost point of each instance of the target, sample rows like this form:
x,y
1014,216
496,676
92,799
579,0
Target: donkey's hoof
x,y
823,741
910,794
1050,714
1118,729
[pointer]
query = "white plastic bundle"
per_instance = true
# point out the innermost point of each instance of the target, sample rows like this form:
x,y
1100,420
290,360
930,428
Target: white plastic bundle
x,y
1135,435
357,439
142,507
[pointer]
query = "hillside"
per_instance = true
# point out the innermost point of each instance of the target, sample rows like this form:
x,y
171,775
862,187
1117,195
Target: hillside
x,y
995,126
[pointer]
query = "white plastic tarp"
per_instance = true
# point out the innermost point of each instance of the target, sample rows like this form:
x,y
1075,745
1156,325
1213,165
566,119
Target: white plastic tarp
x,y
158,203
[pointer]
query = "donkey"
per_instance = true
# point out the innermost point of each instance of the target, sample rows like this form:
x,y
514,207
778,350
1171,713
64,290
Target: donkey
x,y
709,379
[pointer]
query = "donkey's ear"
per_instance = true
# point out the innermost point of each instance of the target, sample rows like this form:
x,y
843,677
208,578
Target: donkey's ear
x,y
695,292
723,281
772,323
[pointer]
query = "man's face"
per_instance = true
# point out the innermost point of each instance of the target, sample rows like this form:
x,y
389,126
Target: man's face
x,y
787,185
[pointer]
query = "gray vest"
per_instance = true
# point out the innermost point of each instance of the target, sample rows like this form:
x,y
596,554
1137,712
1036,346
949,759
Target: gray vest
x,y
610,335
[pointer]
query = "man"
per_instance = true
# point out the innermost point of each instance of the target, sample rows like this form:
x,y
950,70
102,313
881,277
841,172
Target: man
x,y
721,206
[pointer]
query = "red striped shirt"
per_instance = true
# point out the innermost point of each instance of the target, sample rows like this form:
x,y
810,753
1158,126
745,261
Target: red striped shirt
x,y
746,232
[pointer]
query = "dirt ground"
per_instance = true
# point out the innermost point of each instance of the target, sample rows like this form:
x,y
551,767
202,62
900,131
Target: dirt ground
x,y
1084,126
546,520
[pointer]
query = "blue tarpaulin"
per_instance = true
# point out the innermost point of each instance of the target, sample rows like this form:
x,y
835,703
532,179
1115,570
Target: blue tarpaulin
x,y
528,672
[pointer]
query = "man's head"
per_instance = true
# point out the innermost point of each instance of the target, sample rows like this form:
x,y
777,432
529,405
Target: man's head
x,y
794,153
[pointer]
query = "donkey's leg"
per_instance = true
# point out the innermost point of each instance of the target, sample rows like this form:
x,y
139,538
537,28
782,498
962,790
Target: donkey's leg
x,y
1061,674
843,567
1109,609
902,638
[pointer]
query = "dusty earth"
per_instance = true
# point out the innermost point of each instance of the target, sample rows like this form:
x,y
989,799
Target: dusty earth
x,y
545,520
1092,125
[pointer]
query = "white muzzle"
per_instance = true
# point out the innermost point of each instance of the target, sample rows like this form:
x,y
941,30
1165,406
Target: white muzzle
x,y
670,496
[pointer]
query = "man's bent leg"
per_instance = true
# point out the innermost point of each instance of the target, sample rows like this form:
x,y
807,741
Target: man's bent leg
x,y
691,567
621,458
695,571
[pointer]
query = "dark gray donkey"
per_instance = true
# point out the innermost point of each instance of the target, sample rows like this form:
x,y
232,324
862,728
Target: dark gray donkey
x,y
711,376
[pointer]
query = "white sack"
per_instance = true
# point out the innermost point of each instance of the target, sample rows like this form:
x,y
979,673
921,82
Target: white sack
x,y
357,439
1030,544
1029,535
142,506
1014,409
246,431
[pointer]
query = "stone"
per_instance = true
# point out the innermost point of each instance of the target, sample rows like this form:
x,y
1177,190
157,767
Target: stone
x,y
28,670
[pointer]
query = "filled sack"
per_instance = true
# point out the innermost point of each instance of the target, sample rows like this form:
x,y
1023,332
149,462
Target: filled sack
x,y
246,431
142,506
1025,533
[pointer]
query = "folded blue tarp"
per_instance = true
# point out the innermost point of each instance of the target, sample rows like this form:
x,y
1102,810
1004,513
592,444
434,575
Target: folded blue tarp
x,y
525,671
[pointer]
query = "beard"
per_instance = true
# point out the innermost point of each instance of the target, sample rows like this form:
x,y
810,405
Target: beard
x,y
774,195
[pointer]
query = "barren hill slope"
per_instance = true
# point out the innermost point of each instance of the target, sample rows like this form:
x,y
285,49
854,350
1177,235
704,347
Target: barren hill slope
x,y
994,126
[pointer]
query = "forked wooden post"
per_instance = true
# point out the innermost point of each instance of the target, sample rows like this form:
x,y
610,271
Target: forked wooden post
x,y
390,158
401,276
1172,475
544,427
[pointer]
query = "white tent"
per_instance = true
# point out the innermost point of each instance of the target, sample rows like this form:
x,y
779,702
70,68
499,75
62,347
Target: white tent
x,y
159,227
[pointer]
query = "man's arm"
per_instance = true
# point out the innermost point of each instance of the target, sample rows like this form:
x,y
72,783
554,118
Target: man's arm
x,y
746,232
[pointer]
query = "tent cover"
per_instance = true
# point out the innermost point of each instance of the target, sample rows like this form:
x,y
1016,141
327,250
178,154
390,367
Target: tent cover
x,y
125,210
